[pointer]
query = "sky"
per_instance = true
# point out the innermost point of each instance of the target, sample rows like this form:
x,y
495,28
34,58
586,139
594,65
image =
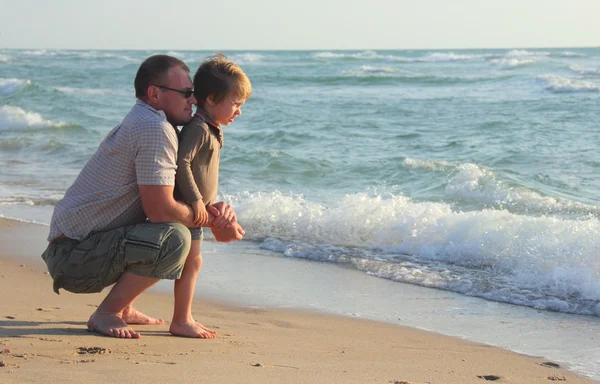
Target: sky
x,y
298,25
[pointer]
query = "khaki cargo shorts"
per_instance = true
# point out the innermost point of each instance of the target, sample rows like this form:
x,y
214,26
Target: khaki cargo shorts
x,y
99,260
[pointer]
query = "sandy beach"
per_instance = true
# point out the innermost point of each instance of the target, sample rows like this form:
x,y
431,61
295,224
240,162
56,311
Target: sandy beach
x,y
43,338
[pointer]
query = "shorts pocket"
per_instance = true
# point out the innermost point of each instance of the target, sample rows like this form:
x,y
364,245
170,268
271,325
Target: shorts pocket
x,y
142,244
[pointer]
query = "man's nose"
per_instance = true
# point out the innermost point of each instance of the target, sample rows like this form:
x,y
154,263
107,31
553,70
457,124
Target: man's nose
x,y
192,100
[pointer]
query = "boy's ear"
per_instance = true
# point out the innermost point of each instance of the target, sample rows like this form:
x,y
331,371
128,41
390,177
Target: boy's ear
x,y
210,99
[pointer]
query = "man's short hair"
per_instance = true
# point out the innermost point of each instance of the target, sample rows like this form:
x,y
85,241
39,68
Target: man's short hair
x,y
153,72
220,77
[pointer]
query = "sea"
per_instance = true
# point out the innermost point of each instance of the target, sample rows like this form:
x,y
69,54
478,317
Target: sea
x,y
468,177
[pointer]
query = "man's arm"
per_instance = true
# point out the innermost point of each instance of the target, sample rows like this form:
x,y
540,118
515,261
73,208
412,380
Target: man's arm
x,y
160,206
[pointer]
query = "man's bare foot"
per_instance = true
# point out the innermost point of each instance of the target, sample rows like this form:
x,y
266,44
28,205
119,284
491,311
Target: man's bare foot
x,y
192,329
132,316
110,324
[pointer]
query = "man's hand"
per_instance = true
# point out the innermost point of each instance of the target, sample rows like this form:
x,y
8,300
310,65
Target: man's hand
x,y
225,235
200,213
224,215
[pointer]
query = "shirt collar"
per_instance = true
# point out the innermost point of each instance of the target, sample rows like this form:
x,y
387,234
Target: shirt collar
x,y
201,113
143,104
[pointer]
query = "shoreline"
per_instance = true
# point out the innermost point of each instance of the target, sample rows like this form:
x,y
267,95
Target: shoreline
x,y
40,332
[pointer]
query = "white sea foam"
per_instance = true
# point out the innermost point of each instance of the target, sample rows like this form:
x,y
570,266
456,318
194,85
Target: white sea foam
x,y
525,53
39,52
584,71
449,56
92,91
545,262
4,58
16,118
562,84
246,58
340,55
107,55
513,62
570,54
10,86
430,164
473,183
373,71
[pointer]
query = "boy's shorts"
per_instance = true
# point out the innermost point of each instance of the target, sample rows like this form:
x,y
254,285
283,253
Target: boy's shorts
x,y
98,261
197,234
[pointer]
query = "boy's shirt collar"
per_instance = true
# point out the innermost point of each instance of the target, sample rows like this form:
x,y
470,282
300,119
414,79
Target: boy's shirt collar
x,y
201,114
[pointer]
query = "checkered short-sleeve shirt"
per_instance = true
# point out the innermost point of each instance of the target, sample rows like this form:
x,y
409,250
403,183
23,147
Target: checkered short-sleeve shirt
x,y
142,150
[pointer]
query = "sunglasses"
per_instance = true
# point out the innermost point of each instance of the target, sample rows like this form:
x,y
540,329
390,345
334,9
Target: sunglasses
x,y
187,94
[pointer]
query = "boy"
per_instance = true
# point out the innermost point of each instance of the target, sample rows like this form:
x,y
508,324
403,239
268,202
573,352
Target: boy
x,y
220,88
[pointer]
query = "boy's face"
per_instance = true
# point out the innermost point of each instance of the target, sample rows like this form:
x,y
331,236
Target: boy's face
x,y
225,111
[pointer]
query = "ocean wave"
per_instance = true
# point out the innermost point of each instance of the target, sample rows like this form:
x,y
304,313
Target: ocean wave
x,y
570,54
480,185
543,262
94,55
2,216
39,52
430,164
248,58
513,62
93,91
375,71
28,201
560,84
15,118
525,53
11,86
364,55
584,71
4,58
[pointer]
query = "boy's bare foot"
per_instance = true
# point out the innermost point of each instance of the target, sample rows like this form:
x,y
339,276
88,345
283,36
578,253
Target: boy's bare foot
x,y
110,324
192,329
132,316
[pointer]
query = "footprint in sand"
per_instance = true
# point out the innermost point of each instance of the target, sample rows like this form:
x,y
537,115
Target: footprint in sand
x,y
91,350
557,378
489,377
549,364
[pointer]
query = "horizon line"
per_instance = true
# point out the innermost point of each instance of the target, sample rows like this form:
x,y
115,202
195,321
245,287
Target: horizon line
x,y
305,49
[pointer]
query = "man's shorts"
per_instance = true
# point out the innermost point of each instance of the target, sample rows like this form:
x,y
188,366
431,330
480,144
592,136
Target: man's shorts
x,y
98,261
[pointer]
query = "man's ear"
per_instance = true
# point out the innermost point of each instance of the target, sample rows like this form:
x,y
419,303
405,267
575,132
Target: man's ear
x,y
152,93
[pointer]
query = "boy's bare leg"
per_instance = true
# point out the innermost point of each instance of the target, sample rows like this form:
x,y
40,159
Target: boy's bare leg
x,y
108,318
183,324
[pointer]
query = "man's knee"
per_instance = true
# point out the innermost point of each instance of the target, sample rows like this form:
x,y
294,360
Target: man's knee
x,y
158,250
178,242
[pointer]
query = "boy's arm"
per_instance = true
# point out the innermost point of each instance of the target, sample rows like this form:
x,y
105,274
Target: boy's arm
x,y
190,143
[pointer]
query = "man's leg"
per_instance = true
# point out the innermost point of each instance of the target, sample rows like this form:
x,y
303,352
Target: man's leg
x,y
107,319
183,324
133,257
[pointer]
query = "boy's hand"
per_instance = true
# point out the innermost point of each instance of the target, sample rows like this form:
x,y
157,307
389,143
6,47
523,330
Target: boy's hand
x,y
225,235
224,215
200,213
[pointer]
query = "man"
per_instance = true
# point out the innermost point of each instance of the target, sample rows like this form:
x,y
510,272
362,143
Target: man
x,y
119,223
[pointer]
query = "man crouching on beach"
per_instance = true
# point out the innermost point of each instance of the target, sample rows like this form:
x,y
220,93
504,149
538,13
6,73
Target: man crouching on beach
x,y
118,222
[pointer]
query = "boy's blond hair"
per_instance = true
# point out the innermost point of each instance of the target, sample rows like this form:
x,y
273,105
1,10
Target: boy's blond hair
x,y
219,78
